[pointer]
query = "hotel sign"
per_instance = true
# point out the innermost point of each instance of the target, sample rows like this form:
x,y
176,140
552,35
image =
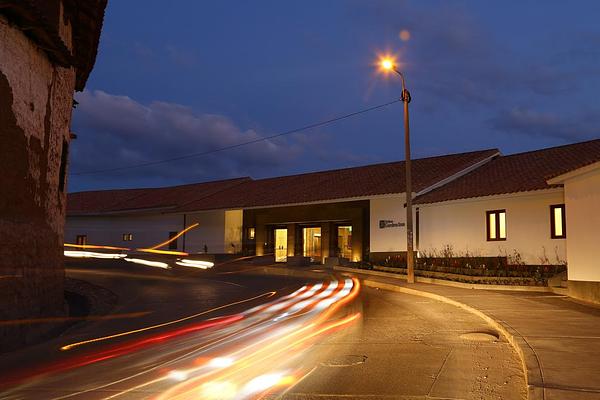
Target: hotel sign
x,y
388,223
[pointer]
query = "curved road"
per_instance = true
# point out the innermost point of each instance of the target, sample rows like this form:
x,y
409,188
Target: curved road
x,y
208,334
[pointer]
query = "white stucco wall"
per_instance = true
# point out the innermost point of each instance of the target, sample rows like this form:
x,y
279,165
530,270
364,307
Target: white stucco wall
x,y
147,230
393,238
210,232
216,229
582,202
462,224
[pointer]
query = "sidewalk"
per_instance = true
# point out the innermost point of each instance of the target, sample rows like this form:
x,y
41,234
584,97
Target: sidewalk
x,y
557,338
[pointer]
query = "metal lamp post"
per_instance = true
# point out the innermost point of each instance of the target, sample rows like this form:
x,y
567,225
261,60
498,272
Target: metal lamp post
x,y
387,64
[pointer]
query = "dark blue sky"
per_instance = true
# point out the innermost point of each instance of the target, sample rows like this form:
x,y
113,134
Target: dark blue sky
x,y
191,76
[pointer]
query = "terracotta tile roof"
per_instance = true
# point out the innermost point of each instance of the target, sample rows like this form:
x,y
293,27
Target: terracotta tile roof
x,y
345,183
122,200
520,172
98,200
244,192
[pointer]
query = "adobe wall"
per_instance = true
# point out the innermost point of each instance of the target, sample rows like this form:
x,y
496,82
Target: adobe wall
x,y
35,115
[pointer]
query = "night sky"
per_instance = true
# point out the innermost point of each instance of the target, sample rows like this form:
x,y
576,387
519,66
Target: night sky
x,y
182,77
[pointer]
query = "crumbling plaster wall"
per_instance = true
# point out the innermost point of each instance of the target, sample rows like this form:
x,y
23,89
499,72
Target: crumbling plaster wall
x,y
35,116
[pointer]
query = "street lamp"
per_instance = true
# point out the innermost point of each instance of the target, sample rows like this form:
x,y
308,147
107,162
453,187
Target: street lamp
x,y
388,64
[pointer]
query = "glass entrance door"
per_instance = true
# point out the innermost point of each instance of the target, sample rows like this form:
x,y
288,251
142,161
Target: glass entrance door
x,y
281,245
345,241
312,243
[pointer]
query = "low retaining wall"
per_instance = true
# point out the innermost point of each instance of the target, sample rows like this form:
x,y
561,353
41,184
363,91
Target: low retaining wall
x,y
586,291
443,282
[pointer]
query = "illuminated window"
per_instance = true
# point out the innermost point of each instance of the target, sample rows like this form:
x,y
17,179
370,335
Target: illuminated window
x,y
81,239
281,245
345,241
496,225
251,233
127,237
312,242
558,227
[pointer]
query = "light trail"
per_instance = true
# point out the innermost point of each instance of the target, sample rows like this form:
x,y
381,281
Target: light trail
x,y
195,263
94,246
77,344
247,362
166,242
344,290
91,254
169,252
273,348
149,263
252,354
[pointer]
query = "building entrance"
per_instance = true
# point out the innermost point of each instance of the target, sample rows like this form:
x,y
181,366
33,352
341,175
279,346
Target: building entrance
x,y
281,239
344,241
312,243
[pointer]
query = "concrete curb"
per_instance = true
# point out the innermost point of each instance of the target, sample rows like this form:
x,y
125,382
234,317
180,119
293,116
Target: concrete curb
x,y
529,361
422,279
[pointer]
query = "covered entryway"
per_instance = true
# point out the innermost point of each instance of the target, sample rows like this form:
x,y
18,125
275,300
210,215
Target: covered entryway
x,y
310,233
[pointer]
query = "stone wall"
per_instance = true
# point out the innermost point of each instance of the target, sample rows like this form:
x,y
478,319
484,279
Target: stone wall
x,y
36,98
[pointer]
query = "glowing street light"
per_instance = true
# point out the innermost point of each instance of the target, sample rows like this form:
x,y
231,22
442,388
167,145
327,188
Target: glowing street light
x,y
388,64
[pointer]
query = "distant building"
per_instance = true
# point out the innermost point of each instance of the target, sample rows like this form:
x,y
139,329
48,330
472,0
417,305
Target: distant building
x,y
47,50
541,207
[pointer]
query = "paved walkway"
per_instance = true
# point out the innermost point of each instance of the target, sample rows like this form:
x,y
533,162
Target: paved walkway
x,y
407,347
559,339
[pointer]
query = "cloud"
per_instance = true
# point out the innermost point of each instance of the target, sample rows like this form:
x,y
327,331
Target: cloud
x,y
455,58
524,121
115,131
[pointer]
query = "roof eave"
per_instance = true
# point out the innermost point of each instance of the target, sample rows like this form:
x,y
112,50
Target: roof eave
x,y
560,179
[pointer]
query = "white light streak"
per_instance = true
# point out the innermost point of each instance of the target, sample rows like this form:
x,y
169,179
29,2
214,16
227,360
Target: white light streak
x,y
195,263
221,362
91,254
179,376
149,263
261,383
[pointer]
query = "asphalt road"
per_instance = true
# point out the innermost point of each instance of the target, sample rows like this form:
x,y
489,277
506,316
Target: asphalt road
x,y
222,334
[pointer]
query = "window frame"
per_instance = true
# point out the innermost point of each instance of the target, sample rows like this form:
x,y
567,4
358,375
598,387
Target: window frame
x,y
553,222
127,237
81,240
496,214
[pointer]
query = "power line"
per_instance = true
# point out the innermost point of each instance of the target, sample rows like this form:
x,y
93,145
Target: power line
x,y
204,153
